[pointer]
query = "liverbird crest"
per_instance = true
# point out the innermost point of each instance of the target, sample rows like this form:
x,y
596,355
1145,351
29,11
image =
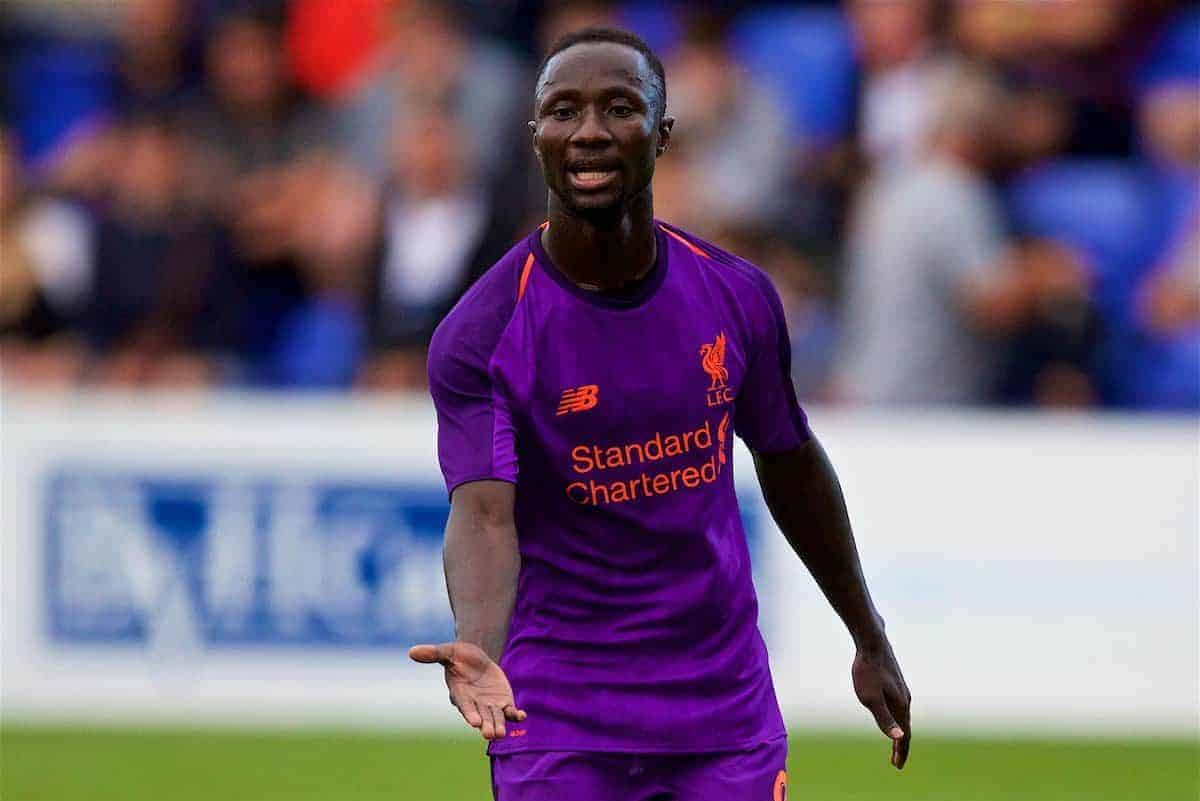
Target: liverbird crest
x,y
712,359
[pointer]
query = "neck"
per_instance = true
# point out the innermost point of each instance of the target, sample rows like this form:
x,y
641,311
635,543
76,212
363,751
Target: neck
x,y
602,252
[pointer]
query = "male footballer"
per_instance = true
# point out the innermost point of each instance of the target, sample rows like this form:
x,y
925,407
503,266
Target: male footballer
x,y
588,388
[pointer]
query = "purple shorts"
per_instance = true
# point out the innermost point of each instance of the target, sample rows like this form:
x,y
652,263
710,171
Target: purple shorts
x,y
755,775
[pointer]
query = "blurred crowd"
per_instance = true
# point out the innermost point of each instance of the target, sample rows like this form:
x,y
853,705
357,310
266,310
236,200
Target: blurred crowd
x,y
960,201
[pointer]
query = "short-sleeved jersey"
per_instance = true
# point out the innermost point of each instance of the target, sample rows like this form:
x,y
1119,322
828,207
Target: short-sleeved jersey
x,y
635,628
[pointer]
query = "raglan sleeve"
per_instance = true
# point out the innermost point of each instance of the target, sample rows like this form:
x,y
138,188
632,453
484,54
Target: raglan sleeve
x,y
767,414
475,437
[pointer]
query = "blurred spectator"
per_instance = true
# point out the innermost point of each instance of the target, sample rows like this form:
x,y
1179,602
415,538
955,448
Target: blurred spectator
x,y
1049,359
150,74
1082,50
1172,301
1170,124
932,285
83,89
1168,368
730,141
252,116
1038,126
45,275
292,194
431,58
896,50
152,67
433,224
157,309
321,339
1169,121
440,230
56,76
260,147
1165,370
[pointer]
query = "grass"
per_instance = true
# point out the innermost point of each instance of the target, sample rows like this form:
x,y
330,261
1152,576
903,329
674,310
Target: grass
x,y
72,764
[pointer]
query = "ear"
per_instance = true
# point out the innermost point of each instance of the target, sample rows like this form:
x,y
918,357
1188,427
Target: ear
x,y
664,133
534,139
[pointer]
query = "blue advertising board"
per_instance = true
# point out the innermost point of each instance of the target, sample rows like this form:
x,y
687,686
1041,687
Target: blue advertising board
x,y
219,561
243,561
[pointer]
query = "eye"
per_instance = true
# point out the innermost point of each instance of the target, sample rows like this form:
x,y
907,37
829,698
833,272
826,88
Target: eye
x,y
621,110
562,113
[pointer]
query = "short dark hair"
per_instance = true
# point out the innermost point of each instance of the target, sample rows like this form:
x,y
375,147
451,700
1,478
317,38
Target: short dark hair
x,y
615,36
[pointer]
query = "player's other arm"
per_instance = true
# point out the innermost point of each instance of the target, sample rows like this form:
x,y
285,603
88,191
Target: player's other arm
x,y
482,562
805,498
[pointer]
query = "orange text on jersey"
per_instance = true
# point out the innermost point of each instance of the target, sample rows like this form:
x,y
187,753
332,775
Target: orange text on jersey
x,y
590,458
586,458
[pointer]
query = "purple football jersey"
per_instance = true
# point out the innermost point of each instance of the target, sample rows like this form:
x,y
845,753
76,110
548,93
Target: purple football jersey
x,y
635,628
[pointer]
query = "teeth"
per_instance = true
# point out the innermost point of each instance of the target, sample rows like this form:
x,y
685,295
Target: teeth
x,y
594,176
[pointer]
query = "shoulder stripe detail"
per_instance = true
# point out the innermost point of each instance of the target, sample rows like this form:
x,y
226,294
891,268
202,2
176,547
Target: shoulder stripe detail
x,y
524,276
689,245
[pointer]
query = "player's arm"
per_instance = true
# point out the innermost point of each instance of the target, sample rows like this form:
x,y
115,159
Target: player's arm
x,y
482,562
805,498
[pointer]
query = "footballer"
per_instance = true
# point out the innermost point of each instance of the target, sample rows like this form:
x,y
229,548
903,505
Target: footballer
x,y
588,388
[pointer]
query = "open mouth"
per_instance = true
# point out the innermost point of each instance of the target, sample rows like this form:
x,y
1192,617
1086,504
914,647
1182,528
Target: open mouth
x,y
590,177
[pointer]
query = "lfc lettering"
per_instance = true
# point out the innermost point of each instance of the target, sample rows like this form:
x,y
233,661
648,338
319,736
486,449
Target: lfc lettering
x,y
719,397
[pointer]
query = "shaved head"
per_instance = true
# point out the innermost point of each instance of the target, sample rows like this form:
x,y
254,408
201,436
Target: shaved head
x,y
658,76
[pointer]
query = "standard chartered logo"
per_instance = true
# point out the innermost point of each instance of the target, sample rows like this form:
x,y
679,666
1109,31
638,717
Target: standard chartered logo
x,y
665,463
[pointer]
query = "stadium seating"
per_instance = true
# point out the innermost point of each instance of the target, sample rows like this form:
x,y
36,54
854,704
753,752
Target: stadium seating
x,y
54,89
1166,374
1176,56
807,53
319,346
656,22
1101,208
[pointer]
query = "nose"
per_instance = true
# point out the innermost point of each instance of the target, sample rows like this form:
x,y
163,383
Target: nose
x,y
592,131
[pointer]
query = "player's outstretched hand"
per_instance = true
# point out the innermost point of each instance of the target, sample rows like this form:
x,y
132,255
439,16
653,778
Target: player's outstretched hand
x,y
478,687
880,687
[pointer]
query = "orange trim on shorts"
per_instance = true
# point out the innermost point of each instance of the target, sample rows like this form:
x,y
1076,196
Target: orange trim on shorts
x,y
524,277
780,793
686,243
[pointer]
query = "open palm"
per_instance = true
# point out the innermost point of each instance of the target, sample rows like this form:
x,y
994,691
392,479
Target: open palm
x,y
478,687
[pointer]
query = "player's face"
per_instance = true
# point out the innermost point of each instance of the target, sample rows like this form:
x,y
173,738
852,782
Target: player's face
x,y
595,130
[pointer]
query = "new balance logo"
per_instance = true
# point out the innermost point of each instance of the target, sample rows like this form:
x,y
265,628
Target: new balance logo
x,y
579,399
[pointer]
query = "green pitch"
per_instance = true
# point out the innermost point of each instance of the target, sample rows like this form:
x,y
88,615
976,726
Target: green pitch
x,y
65,764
